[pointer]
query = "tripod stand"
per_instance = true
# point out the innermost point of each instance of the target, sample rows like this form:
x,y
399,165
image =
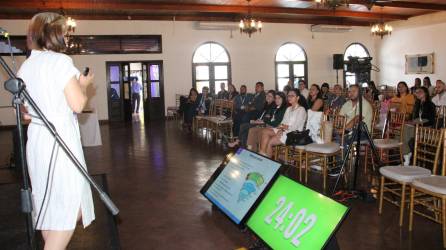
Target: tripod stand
x,y
17,87
360,129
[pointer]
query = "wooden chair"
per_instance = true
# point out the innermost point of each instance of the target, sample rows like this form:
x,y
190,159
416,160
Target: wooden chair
x,y
393,140
429,193
172,112
440,117
220,122
375,121
326,152
396,179
200,121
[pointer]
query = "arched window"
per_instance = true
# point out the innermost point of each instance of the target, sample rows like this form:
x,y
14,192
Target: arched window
x,y
210,67
355,50
291,65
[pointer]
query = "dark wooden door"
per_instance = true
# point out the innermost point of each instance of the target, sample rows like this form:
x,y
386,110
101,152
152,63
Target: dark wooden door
x,y
153,90
115,90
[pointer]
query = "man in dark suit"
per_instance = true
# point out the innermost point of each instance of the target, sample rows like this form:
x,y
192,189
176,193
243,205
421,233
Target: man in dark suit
x,y
257,103
204,102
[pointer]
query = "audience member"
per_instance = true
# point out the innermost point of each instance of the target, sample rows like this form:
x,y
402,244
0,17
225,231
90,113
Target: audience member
x,y
315,101
240,105
189,109
254,135
337,101
232,92
327,96
294,119
255,104
403,102
427,83
416,85
440,98
303,89
351,109
424,107
286,89
266,115
204,101
223,94
372,94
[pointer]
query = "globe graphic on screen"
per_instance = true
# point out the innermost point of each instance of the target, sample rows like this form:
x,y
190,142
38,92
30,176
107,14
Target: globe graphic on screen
x,y
252,182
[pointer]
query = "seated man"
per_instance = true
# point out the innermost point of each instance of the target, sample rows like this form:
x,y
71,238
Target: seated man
x,y
337,100
240,107
204,101
351,112
223,94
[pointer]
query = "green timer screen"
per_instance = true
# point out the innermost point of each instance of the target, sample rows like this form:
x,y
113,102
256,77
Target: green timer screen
x,y
292,216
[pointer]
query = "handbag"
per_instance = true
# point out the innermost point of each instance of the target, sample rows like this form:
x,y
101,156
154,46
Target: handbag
x,y
298,138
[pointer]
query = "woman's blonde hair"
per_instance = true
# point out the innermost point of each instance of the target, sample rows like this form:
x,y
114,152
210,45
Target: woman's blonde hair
x,y
47,31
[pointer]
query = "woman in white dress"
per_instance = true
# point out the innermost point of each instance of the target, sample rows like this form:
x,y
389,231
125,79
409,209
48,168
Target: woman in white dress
x,y
294,119
60,91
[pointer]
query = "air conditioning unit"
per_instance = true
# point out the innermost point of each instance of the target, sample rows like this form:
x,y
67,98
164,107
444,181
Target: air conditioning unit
x,y
330,28
215,26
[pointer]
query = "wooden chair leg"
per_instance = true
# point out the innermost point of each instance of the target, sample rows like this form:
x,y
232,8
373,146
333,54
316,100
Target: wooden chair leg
x,y
402,205
365,158
401,155
306,167
324,172
299,165
411,206
381,195
443,214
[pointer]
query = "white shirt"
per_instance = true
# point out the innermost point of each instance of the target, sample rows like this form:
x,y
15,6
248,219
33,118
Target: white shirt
x,y
439,99
295,119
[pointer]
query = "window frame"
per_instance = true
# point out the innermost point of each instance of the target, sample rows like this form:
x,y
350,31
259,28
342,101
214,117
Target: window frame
x,y
290,65
211,66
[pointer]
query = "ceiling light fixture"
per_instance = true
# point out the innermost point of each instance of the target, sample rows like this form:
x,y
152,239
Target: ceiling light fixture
x,y
250,25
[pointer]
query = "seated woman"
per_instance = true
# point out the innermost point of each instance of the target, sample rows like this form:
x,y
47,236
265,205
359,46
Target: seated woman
x,y
403,101
189,109
424,107
232,92
266,115
315,101
294,119
254,133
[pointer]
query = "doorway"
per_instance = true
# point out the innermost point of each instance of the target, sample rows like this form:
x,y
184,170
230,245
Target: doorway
x,y
130,81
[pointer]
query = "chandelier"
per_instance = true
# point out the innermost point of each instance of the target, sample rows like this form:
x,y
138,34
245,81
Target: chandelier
x,y
71,25
332,4
250,25
381,29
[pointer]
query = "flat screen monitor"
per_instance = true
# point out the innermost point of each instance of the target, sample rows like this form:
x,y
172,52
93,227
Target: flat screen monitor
x,y
237,186
292,216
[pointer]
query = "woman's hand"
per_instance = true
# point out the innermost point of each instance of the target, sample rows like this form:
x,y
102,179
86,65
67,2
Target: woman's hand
x,y
85,81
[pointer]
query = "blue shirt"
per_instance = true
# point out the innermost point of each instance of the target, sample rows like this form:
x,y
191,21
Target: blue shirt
x,y
136,87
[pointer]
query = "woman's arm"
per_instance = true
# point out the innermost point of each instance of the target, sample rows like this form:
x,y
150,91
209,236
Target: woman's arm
x,y
76,92
317,105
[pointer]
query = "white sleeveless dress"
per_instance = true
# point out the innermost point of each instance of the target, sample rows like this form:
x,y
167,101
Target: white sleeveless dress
x,y
46,74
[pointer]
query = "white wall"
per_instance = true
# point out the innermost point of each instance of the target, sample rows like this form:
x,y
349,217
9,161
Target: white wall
x,y
418,35
252,59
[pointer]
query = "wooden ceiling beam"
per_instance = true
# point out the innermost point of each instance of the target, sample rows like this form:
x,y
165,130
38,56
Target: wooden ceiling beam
x,y
316,20
398,4
181,8
413,5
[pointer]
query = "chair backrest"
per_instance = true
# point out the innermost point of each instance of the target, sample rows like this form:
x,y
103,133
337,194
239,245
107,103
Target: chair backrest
x,y
395,125
428,142
375,119
440,116
228,108
177,100
339,122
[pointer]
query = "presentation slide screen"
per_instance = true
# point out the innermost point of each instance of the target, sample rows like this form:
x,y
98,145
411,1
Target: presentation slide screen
x,y
292,216
240,183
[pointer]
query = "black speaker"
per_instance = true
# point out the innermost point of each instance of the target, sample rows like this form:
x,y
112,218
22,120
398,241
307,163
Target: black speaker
x,y
338,61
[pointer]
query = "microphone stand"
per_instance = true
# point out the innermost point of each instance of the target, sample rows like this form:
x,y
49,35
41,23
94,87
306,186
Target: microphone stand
x,y
17,87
